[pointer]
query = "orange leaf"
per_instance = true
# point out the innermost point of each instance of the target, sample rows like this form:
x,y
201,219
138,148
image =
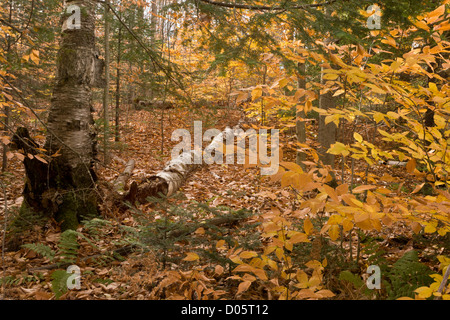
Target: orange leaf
x,y
308,226
243,286
418,187
411,165
299,237
363,188
330,191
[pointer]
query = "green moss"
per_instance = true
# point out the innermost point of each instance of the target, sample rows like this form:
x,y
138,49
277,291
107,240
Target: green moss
x,y
76,207
26,218
67,212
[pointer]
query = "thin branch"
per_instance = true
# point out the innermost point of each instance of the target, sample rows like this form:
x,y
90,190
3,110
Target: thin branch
x,y
267,8
147,50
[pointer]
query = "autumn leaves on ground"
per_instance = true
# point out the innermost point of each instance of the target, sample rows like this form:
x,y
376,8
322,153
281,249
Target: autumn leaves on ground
x,y
276,246
359,207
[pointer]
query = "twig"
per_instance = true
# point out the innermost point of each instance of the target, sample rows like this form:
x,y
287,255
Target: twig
x,y
267,8
444,282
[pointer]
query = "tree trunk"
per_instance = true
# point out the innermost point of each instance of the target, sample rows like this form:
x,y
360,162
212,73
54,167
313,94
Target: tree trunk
x,y
106,90
327,132
117,114
65,187
300,124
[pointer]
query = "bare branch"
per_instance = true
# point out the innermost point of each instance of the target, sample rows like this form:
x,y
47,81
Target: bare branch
x,y
267,8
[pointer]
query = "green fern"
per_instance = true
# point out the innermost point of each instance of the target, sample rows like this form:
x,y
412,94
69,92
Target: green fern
x,y
68,246
59,282
41,249
406,275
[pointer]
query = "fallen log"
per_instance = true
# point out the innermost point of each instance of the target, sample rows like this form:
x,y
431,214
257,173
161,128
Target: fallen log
x,y
171,178
119,184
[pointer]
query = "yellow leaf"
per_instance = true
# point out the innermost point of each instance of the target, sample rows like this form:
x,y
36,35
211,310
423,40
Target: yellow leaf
x,y
34,56
241,97
302,278
308,226
256,93
324,293
292,166
375,88
260,273
289,245
334,232
424,292
342,189
435,14
339,148
331,192
191,256
243,268
284,82
330,76
308,106
416,227
279,252
298,237
347,225
357,137
418,188
236,259
390,41
430,227
422,25
200,230
248,254
220,244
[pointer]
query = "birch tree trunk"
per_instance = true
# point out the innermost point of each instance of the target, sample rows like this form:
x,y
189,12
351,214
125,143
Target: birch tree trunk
x,y
65,187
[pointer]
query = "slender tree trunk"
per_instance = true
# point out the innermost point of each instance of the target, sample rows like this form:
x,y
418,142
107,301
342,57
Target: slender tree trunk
x,y
153,20
326,132
106,90
300,124
116,128
6,109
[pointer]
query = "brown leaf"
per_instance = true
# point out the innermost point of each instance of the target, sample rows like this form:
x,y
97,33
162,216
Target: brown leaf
x,y
243,286
42,295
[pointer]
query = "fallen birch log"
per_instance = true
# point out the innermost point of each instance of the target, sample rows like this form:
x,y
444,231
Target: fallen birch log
x,y
119,184
173,176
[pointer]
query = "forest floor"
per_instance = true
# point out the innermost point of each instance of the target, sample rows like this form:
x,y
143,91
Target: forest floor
x,y
160,272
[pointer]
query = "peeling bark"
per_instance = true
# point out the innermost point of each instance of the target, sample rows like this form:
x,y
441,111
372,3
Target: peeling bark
x,y
175,173
65,187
